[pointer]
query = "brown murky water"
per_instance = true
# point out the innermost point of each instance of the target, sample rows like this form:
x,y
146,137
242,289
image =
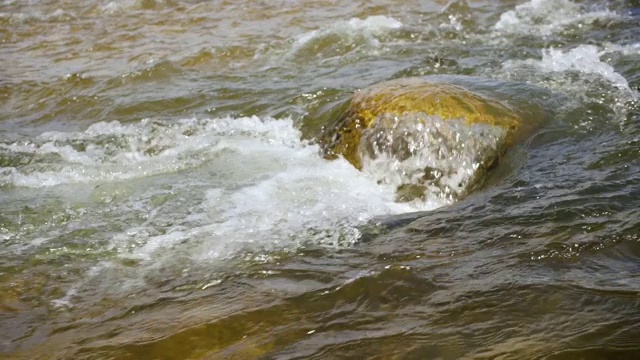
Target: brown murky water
x,y
162,197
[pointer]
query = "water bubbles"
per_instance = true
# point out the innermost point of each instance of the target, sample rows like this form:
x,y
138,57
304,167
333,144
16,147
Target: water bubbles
x,y
546,17
428,158
584,58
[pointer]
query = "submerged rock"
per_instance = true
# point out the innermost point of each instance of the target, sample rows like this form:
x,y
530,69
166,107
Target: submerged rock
x,y
425,137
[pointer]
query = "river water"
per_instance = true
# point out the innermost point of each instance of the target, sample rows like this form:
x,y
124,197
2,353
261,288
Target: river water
x,y
162,194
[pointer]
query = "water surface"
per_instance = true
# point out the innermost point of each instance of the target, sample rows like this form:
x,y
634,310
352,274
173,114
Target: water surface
x,y
162,194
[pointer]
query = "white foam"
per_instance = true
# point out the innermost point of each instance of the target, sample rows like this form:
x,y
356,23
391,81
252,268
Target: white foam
x,y
454,24
584,59
57,15
312,199
306,200
113,151
397,153
248,188
267,188
355,31
626,50
371,26
545,17
117,6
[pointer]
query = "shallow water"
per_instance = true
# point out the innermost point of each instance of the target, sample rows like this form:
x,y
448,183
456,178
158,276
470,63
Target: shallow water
x,y
163,196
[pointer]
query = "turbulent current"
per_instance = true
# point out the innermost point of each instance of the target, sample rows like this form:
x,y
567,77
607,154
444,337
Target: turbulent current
x,y
164,195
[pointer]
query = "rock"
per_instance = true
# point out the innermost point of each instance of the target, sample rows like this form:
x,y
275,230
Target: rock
x,y
424,137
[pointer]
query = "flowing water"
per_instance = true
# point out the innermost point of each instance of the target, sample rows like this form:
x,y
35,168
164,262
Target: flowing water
x,y
162,194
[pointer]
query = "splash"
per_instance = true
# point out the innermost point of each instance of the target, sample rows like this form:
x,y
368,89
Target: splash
x,y
625,50
58,15
342,37
584,59
546,17
252,183
120,6
152,199
443,158
370,27
111,151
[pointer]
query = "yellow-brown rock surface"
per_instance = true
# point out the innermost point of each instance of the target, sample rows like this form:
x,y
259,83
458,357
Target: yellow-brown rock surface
x,y
464,132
